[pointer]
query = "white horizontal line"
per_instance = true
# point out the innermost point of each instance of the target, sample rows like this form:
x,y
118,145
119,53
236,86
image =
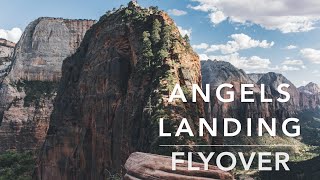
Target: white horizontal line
x,y
230,145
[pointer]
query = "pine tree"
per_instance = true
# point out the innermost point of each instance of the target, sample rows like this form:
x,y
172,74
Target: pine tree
x,y
147,47
156,30
186,38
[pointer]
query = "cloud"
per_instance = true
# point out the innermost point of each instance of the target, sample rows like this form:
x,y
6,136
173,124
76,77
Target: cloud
x,y
200,46
185,31
217,17
293,62
246,63
177,12
203,57
239,42
291,47
284,15
251,64
312,55
12,35
286,68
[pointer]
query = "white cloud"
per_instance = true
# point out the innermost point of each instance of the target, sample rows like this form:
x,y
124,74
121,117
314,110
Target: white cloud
x,y
286,68
185,31
284,15
11,35
203,57
303,83
217,17
312,55
251,64
200,46
239,42
291,47
293,62
246,63
177,12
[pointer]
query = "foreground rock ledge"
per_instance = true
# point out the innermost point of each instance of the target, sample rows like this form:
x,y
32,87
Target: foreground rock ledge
x,y
149,166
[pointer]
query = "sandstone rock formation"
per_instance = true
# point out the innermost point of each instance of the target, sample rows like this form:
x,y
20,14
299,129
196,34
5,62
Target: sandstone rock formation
x,y
218,72
27,93
45,43
113,91
310,88
6,53
149,166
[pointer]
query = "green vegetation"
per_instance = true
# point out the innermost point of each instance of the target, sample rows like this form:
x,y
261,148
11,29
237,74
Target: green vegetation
x,y
147,49
158,58
156,30
16,166
36,91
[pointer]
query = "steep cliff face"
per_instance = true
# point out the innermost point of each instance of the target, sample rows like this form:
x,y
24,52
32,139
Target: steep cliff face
x,y
310,88
6,53
272,81
113,91
45,43
27,93
218,72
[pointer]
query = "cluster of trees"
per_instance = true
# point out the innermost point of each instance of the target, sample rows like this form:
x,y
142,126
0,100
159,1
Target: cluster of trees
x,y
16,166
156,45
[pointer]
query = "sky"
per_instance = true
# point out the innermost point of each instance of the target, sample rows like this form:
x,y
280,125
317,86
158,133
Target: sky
x,y
257,36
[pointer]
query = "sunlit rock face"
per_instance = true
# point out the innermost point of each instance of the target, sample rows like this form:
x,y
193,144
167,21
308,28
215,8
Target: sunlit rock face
x,y
28,91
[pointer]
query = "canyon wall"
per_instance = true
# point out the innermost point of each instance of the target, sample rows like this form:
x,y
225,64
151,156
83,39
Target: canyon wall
x,y
113,91
28,91
218,72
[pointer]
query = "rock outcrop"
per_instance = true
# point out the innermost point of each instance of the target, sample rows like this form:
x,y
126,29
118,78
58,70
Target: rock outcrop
x,y
45,43
6,53
310,88
113,91
28,91
218,72
149,166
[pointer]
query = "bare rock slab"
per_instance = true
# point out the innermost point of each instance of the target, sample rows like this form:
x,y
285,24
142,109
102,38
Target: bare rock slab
x,y
149,166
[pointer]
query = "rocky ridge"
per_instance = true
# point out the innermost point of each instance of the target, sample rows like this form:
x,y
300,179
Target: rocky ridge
x,y
113,91
28,91
217,72
310,88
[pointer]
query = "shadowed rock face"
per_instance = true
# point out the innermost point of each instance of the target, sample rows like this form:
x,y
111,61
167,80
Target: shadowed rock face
x,y
27,93
113,91
149,166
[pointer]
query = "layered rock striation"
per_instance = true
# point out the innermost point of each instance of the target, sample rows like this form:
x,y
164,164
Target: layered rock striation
x,y
28,91
6,53
150,166
113,91
45,43
218,72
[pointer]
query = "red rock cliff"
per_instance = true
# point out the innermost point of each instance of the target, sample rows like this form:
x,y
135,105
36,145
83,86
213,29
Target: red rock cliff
x,y
113,91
